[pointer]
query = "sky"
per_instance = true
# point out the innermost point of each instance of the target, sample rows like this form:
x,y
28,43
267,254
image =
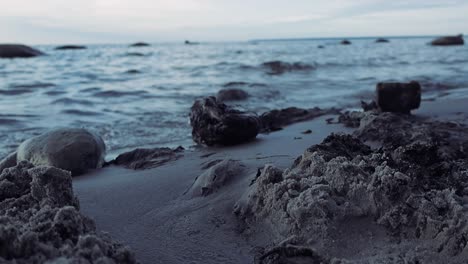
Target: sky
x,y
124,21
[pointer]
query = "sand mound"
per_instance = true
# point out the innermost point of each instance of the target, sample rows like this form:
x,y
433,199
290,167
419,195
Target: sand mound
x,y
40,221
408,193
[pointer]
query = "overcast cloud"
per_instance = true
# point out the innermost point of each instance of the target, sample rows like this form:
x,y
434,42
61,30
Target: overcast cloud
x,y
110,21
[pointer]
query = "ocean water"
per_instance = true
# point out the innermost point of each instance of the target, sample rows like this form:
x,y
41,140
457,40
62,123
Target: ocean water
x,y
141,97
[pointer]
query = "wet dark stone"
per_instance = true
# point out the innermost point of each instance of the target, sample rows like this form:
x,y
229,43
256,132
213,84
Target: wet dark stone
x,y
398,97
448,41
280,67
345,42
70,47
214,123
381,40
140,159
140,44
10,51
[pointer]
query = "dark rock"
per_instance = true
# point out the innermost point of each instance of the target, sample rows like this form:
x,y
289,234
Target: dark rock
x,y
308,131
140,159
40,221
140,44
449,40
232,95
276,119
291,254
71,149
70,47
381,40
369,106
11,51
345,42
214,123
280,67
133,72
187,42
320,47
398,97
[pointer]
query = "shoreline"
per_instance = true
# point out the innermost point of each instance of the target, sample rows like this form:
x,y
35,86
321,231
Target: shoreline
x,y
149,211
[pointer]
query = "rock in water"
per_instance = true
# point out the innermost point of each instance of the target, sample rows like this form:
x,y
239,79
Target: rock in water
x,y
398,97
381,40
280,67
11,51
71,149
345,42
232,95
449,40
140,44
40,221
276,119
214,123
70,47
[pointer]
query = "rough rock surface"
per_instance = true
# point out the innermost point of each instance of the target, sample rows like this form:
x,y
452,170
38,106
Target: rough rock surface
x,y
413,188
214,123
140,44
280,67
216,177
140,159
72,149
449,40
40,221
276,119
232,95
11,51
70,47
398,97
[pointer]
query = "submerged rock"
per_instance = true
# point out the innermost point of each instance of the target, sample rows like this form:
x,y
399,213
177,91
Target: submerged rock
x,y
276,119
139,159
70,47
11,51
140,44
381,40
216,177
232,95
448,41
214,123
280,67
398,97
40,221
71,149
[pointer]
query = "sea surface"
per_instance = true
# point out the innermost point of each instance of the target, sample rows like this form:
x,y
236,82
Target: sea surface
x,y
141,97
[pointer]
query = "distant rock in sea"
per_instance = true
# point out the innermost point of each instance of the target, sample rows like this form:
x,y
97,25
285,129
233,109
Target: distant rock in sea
x,y
140,44
214,123
448,41
345,42
398,97
320,46
381,40
187,42
70,47
280,67
232,95
72,149
10,51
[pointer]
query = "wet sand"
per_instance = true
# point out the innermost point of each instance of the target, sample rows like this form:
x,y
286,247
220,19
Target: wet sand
x,y
154,212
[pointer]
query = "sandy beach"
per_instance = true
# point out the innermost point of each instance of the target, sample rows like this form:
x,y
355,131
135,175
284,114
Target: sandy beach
x,y
154,212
